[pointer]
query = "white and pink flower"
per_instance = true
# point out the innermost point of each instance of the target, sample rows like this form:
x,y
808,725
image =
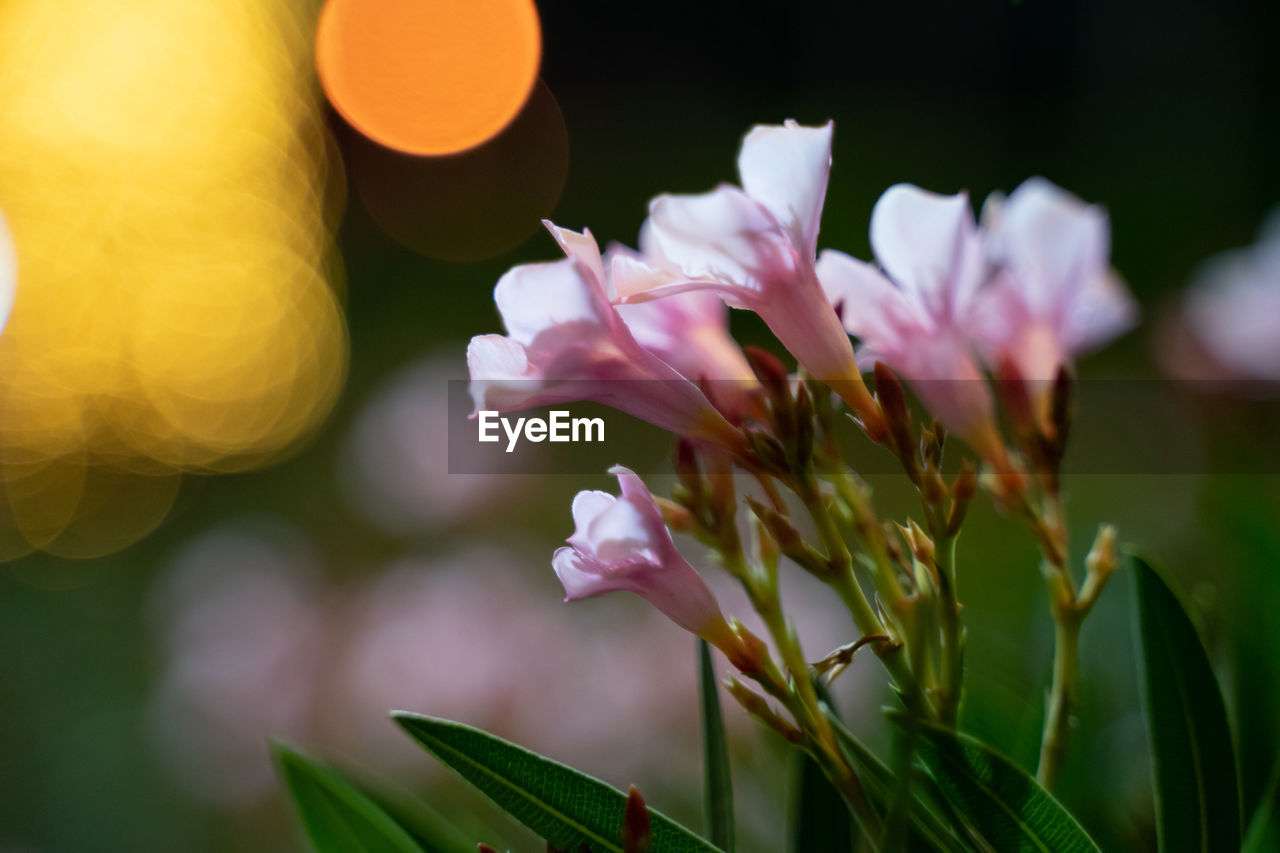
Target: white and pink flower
x,y
755,247
566,342
622,544
1053,294
912,312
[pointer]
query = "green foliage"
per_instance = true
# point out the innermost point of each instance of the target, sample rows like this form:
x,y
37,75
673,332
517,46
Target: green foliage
x,y
336,816
1193,759
566,807
719,780
1004,804
820,820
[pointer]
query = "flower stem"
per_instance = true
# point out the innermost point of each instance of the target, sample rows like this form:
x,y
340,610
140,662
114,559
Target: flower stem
x,y
1062,695
952,633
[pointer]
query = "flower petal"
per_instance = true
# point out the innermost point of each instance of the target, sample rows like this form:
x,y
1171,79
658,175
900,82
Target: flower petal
x,y
1052,242
724,235
587,506
871,307
535,297
929,245
582,246
581,576
786,169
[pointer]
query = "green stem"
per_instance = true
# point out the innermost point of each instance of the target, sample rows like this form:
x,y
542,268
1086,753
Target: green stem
x,y
952,634
1062,694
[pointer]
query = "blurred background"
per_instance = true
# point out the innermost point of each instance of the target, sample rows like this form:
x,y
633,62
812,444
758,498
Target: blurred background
x,y
227,509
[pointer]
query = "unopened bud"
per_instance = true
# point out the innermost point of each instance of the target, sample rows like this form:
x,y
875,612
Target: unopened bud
x,y
918,541
686,463
897,416
766,547
767,450
1102,556
778,525
756,706
635,825
1060,411
772,374
962,492
1011,388
805,428
932,487
675,516
485,848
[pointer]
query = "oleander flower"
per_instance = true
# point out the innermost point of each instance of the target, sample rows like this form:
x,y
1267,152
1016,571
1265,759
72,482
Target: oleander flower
x,y
755,247
913,312
687,330
1228,324
622,544
1052,294
566,342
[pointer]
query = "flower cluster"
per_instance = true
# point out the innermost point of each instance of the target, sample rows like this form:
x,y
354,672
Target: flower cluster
x,y
949,303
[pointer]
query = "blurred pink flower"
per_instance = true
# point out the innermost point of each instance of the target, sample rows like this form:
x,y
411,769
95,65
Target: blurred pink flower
x,y
240,616
1228,325
474,636
915,315
566,342
400,470
755,247
1053,294
622,543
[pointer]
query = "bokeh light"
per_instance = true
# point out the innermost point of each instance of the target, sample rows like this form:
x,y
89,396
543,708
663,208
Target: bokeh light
x,y
428,76
475,204
166,173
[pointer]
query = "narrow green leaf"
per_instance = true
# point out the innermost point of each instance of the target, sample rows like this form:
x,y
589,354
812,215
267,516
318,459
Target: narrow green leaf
x,y
718,794
1193,760
337,817
820,820
927,829
566,807
1264,833
424,824
1005,804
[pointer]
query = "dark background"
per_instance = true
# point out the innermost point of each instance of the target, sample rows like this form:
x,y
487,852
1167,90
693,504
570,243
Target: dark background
x,y
1166,113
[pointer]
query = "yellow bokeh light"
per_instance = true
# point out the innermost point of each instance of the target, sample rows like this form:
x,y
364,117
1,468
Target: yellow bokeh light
x,y
165,171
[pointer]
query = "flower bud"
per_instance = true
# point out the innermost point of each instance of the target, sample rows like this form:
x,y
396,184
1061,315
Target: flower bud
x,y
635,825
758,707
962,492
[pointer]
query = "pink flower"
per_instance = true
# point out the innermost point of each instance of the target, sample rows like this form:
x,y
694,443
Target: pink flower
x,y
566,342
1228,326
621,543
912,312
755,247
687,330
1053,294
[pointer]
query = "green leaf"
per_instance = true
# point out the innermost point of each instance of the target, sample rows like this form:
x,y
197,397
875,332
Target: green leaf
x,y
927,829
1003,803
1193,759
425,825
719,781
336,816
566,807
1264,833
820,820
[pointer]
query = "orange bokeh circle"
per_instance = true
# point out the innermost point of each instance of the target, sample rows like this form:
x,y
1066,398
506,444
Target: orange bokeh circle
x,y
428,76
